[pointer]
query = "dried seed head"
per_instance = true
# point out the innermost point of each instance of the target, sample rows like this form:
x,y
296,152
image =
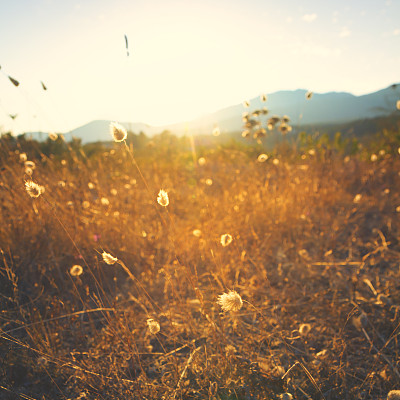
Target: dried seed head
x,y
275,161
196,232
309,95
23,157
90,185
286,396
398,104
154,326
53,136
29,171
216,131
357,198
108,258
162,198
262,158
201,161
246,103
263,97
33,189
230,301
226,239
374,157
104,201
85,204
393,395
30,164
118,132
304,329
76,270
209,182
61,184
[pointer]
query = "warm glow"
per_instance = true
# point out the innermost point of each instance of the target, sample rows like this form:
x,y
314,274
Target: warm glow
x,y
186,58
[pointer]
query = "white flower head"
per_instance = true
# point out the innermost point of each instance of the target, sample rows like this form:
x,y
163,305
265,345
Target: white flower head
x,y
153,325
226,239
162,198
230,301
118,132
108,258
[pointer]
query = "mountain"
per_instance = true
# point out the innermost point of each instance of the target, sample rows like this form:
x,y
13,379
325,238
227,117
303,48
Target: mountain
x,y
321,109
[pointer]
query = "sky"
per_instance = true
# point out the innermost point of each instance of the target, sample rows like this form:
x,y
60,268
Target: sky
x,y
186,58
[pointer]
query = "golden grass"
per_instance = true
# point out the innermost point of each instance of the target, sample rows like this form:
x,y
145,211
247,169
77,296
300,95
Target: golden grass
x,y
317,272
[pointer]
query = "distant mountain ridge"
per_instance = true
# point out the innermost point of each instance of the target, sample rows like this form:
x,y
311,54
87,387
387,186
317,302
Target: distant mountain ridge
x,y
321,109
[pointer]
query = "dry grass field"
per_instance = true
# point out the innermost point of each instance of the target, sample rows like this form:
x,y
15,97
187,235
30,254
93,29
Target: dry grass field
x,y
311,275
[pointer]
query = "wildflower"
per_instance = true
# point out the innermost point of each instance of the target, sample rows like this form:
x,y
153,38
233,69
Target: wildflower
x,y
162,198
63,163
230,301
30,164
23,157
226,239
90,185
108,258
118,132
275,161
76,270
154,326
311,152
393,395
33,189
309,95
246,133
196,232
216,131
201,161
357,198
209,182
304,329
53,136
104,201
382,152
113,192
262,158
285,119
374,157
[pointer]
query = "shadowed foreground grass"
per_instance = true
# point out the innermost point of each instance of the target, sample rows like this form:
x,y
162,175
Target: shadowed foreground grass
x,y
314,257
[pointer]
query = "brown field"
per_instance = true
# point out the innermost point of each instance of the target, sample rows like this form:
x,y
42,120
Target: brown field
x,y
315,258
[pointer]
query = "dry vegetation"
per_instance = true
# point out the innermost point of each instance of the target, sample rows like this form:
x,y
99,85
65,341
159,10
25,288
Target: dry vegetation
x,y
315,258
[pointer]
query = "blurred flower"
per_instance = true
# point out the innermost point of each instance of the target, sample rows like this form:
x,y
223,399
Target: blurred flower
x,y
76,270
209,182
61,184
230,301
196,232
357,198
304,329
216,131
113,192
118,132
309,95
30,164
90,185
23,157
33,189
53,136
29,171
246,103
85,204
275,161
398,104
104,201
262,158
108,258
154,326
263,97
162,198
201,161
374,157
226,239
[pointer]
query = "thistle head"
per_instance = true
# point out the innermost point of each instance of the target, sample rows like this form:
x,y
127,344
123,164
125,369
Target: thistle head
x,y
230,301
118,132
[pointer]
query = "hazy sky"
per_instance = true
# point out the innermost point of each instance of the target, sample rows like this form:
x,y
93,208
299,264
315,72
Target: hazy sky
x,y
186,57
